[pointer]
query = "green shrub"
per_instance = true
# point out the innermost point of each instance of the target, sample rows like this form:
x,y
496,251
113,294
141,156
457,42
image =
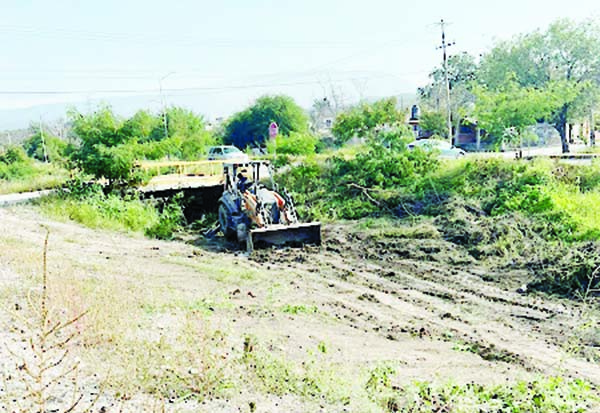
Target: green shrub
x,y
13,154
170,220
45,147
88,205
296,143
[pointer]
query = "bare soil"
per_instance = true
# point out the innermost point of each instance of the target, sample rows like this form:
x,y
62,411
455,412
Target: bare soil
x,y
421,304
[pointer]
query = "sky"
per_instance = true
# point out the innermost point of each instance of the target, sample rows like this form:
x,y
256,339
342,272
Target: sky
x,y
216,57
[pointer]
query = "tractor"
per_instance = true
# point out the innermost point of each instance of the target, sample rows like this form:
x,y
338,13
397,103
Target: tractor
x,y
255,213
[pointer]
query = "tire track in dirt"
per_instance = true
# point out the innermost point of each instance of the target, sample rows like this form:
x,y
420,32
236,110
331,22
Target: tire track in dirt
x,y
427,300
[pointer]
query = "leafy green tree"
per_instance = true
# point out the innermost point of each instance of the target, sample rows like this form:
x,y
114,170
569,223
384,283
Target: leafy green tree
x,y
45,147
187,135
567,53
366,119
434,122
143,126
508,110
295,144
180,122
462,70
109,146
100,127
251,126
98,132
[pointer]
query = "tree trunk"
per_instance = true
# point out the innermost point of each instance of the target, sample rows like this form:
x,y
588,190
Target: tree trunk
x,y
561,126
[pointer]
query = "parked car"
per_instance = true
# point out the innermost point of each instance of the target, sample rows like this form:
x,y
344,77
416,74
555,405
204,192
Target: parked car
x,y
227,152
445,149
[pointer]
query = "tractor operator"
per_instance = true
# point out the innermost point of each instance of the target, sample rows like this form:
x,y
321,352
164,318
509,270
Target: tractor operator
x,y
243,183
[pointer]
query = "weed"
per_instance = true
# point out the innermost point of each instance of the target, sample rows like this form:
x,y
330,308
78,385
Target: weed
x,y
552,394
311,379
380,389
45,366
170,219
488,352
300,309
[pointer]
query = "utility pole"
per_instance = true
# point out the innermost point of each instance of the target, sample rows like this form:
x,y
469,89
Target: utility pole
x,y
43,141
164,102
444,46
592,129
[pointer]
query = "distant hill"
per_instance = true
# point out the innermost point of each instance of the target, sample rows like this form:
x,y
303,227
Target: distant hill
x,y
14,136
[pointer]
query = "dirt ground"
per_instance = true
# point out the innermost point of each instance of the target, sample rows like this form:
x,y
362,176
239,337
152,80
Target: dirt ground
x,y
368,301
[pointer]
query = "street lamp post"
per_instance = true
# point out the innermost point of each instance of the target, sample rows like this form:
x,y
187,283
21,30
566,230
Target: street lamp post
x,y
164,102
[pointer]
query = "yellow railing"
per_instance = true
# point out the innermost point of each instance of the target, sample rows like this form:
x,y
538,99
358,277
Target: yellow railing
x,y
189,168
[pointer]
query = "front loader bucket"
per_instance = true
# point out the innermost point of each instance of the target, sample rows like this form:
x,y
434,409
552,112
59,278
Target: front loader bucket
x,y
282,235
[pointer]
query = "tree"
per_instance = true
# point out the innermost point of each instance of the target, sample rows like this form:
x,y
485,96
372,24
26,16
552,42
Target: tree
x,y
507,111
568,53
367,119
98,132
143,126
295,144
110,145
45,147
433,122
251,126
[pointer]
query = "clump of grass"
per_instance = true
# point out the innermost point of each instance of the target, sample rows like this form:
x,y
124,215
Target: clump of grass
x,y
582,206
551,394
31,176
299,309
310,379
107,212
169,221
195,364
90,206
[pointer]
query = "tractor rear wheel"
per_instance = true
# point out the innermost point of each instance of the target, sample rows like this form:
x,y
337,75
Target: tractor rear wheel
x,y
227,231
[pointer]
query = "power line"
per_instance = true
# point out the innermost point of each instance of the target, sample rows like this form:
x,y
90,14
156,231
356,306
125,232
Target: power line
x,y
170,90
180,39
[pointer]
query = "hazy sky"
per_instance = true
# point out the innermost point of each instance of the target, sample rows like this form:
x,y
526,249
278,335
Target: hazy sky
x,y
217,56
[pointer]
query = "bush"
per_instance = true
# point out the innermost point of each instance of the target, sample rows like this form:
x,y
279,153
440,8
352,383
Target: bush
x,y
47,148
368,184
90,206
170,220
297,143
13,154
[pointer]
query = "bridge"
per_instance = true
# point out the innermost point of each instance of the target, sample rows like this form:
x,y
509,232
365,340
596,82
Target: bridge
x,y
201,183
172,175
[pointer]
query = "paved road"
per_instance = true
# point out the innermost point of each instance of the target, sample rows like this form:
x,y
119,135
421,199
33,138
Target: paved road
x,y
13,199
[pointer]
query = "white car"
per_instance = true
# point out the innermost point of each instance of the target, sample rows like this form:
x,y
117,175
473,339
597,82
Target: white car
x,y
445,149
227,152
